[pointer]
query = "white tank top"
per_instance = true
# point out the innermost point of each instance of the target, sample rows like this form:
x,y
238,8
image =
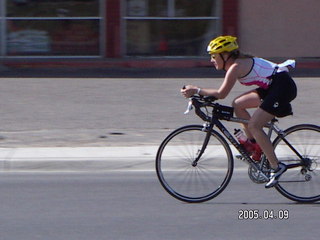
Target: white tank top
x,y
261,71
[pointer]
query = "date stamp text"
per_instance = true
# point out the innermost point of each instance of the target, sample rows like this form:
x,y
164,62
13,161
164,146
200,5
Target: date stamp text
x,y
267,214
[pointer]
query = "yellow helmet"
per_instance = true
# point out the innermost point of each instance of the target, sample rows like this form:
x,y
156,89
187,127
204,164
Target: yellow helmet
x,y
222,44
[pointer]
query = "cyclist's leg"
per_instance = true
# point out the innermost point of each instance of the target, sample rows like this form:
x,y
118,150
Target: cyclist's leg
x,y
259,119
276,102
247,100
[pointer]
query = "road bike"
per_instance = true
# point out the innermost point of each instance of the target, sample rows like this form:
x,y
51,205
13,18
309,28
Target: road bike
x,y
195,163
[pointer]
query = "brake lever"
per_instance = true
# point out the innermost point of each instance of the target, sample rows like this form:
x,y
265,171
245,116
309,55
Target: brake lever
x,y
189,107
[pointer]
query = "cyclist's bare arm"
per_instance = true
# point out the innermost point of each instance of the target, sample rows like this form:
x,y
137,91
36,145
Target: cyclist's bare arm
x,y
228,83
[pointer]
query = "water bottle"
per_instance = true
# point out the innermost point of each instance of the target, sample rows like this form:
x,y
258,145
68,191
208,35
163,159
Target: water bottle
x,y
243,140
240,136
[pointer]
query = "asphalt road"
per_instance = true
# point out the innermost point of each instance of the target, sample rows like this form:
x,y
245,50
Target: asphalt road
x,y
133,206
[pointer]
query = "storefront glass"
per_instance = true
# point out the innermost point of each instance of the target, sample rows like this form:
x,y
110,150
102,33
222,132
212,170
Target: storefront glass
x,y
168,37
52,37
156,8
2,27
204,8
52,28
170,27
52,8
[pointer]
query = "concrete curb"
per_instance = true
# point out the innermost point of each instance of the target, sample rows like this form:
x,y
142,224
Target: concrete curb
x,y
78,158
66,159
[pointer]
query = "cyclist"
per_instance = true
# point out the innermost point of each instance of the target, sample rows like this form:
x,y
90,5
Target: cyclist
x,y
275,91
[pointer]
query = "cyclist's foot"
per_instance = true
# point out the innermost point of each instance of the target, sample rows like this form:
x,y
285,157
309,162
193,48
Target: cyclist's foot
x,y
275,175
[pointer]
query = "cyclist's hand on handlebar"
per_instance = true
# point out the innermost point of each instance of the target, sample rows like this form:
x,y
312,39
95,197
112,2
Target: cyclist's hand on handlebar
x,y
188,91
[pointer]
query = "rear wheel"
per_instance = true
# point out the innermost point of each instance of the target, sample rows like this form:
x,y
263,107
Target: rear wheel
x,y
302,183
187,181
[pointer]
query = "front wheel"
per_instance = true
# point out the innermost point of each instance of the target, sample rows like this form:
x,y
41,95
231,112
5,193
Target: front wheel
x,y
187,181
301,184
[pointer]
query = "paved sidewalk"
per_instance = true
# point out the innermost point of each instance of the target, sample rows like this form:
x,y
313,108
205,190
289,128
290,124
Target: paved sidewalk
x,y
107,112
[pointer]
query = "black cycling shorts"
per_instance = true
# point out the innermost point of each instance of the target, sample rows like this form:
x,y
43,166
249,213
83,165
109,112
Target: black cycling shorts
x,y
276,99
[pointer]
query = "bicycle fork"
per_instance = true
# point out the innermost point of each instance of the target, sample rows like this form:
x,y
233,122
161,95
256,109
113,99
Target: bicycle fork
x,y
206,127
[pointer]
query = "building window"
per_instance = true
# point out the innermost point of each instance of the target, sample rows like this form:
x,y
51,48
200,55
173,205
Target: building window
x,y
170,27
53,28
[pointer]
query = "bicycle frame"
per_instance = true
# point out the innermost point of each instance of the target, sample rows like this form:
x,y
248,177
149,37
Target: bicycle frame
x,y
215,121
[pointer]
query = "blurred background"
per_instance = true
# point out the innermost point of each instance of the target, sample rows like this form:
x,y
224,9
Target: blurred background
x,y
154,29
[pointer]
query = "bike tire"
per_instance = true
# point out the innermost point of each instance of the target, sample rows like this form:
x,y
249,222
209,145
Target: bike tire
x,y
300,184
194,184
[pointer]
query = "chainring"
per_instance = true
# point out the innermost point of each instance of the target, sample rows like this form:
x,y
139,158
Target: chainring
x,y
255,175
